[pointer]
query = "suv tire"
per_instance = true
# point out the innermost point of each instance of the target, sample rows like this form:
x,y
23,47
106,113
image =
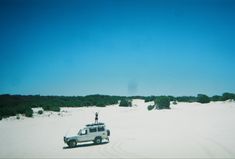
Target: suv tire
x,y
72,143
98,140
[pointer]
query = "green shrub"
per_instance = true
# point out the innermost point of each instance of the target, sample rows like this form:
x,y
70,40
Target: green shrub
x,y
29,112
125,103
12,110
100,104
202,98
17,116
150,107
7,111
227,96
149,98
172,98
40,112
45,107
55,109
186,99
51,108
162,102
216,98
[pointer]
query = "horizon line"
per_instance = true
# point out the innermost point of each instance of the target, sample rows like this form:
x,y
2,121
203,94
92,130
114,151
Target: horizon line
x,y
111,95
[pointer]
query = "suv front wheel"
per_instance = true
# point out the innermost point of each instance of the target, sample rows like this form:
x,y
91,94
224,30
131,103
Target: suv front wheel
x,y
72,143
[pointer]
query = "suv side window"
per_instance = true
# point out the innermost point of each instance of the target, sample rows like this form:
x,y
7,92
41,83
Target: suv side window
x,y
101,128
92,130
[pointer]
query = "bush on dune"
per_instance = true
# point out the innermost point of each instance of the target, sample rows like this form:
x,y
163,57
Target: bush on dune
x,y
125,103
149,98
151,107
28,112
7,111
51,108
216,98
162,102
227,96
55,109
100,104
40,112
224,97
172,98
174,102
202,98
189,99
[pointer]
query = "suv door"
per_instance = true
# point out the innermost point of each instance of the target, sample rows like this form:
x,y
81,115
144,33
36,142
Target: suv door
x,y
92,133
101,131
84,135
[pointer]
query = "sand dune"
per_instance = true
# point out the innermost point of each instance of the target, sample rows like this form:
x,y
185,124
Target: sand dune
x,y
187,130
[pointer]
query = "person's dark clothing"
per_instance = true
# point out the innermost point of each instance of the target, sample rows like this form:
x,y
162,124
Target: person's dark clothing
x,y
96,117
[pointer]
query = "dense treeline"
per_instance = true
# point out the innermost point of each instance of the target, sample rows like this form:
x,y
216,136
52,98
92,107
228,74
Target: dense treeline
x,y
163,102
201,98
11,105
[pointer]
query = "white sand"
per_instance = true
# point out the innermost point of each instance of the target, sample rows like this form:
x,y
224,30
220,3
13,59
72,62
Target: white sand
x,y
188,130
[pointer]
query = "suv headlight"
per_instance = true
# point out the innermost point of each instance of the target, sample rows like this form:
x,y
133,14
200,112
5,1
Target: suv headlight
x,y
65,139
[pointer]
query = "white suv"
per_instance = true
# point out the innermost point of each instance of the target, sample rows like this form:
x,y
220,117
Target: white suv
x,y
92,132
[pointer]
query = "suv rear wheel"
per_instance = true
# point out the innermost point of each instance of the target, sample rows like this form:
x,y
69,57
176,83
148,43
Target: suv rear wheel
x,y
98,140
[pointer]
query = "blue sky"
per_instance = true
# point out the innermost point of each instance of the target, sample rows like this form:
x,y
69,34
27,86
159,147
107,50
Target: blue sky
x,y
122,47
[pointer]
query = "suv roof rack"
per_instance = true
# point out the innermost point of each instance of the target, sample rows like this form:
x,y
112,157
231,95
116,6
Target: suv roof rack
x,y
95,124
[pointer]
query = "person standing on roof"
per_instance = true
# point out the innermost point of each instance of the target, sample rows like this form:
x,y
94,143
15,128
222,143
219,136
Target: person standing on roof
x,y
96,118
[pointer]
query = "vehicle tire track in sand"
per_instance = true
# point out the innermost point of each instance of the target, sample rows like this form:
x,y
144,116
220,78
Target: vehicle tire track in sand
x,y
225,149
114,151
205,149
118,149
218,145
109,151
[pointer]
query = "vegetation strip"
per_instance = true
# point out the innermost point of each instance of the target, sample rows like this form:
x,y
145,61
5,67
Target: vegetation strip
x,y
11,105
